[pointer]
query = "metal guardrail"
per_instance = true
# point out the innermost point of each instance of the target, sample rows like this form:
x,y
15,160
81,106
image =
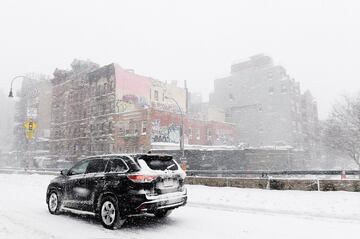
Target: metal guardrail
x,y
32,169
42,171
270,173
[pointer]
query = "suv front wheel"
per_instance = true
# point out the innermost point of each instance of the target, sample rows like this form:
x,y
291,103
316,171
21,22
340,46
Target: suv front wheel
x,y
109,213
54,203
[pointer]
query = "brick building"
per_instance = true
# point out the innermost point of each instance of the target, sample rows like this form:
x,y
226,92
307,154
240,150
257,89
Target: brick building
x,y
266,104
165,127
98,110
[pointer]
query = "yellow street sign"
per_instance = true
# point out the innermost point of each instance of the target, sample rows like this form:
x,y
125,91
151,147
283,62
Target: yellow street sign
x,y
29,134
30,127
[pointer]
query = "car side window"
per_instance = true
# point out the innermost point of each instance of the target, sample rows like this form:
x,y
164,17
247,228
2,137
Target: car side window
x,y
96,166
116,165
79,168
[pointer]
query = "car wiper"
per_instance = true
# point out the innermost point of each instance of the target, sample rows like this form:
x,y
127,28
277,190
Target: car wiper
x,y
169,167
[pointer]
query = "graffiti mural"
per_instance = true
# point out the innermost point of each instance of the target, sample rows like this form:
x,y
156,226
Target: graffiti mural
x,y
131,103
165,134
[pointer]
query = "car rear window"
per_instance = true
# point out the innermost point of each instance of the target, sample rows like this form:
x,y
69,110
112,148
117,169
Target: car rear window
x,y
159,162
116,165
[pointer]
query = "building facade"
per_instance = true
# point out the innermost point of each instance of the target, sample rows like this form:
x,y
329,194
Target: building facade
x,y
109,109
265,103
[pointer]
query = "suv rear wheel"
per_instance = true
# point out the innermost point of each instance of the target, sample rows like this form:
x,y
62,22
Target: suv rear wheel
x,y
109,213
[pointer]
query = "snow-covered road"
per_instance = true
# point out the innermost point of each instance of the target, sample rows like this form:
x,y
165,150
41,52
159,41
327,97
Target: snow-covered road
x,y
210,213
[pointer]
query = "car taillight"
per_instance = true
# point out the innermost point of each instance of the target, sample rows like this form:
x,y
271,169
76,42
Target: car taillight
x,y
139,178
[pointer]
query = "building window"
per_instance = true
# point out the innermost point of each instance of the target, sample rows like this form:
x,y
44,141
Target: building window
x,y
127,129
110,127
102,127
231,97
105,88
103,109
121,130
260,107
190,133
136,128
144,127
208,133
198,134
271,90
156,95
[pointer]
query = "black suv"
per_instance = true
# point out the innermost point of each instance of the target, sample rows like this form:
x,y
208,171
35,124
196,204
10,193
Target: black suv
x,y
113,187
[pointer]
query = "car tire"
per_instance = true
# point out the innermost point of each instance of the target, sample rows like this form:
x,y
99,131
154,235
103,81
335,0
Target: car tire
x,y
54,203
109,213
162,213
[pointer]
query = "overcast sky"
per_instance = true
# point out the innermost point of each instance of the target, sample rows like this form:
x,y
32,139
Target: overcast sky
x,y
318,42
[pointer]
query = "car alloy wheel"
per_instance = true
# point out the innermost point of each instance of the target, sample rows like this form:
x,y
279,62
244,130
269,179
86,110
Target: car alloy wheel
x,y
54,203
108,213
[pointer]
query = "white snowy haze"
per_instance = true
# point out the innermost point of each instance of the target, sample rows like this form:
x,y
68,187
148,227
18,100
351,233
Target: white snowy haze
x,y
316,41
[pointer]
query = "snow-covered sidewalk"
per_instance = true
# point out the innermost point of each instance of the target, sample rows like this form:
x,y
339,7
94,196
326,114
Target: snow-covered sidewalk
x,y
339,205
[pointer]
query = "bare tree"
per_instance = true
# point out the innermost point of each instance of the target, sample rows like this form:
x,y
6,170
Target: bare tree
x,y
342,129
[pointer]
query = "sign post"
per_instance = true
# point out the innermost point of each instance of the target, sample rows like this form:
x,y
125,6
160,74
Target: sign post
x,y
30,127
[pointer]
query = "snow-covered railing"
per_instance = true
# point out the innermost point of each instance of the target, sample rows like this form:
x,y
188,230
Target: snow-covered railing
x,y
267,173
44,171
303,184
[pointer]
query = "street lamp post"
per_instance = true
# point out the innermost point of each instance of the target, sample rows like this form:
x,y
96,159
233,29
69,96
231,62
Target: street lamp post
x,y
11,95
181,127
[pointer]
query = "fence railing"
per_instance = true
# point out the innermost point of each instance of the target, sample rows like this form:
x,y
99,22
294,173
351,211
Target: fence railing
x,y
264,173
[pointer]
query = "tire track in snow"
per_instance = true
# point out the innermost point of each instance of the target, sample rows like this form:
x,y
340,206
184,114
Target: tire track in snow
x,y
22,227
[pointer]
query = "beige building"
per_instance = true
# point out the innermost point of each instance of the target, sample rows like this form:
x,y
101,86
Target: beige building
x,y
264,102
159,90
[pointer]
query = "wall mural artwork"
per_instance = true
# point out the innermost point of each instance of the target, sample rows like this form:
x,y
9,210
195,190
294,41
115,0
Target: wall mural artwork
x,y
165,134
130,103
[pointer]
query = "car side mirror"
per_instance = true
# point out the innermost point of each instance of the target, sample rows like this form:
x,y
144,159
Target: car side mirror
x,y
64,172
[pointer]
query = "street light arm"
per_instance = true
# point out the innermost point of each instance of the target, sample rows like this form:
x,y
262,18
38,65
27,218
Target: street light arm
x,y
170,98
182,126
11,84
